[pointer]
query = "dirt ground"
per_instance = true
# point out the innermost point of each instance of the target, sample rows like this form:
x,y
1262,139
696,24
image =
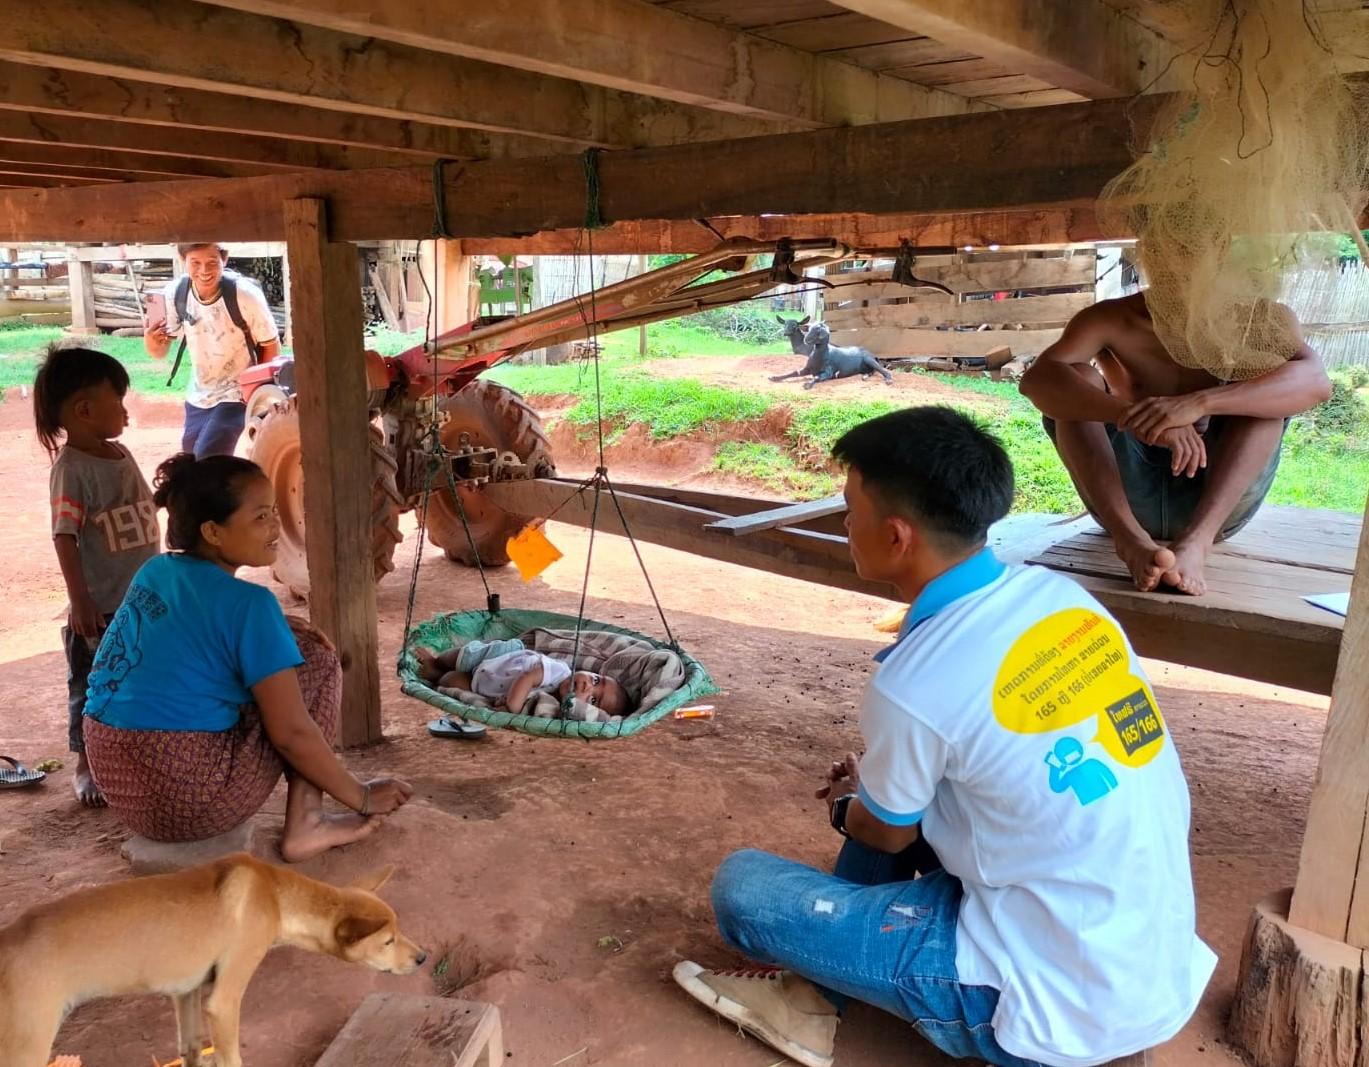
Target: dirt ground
x,y
562,880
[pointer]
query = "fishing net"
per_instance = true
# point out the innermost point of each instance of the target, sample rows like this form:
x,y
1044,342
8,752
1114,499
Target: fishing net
x,y
1241,179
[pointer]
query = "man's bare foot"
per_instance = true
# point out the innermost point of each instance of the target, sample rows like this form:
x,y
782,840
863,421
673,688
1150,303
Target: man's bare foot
x,y
1146,560
318,831
1186,573
87,792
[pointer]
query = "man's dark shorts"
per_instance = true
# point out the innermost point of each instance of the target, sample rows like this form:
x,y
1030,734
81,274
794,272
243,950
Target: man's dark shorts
x,y
213,431
1163,502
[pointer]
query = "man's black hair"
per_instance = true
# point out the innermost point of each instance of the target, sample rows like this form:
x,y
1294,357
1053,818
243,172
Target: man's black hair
x,y
934,466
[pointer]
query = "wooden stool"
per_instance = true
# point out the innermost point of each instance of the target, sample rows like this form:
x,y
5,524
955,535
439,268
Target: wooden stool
x,y
391,1028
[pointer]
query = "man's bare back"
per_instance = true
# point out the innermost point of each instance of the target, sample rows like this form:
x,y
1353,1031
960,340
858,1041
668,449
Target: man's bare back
x,y
1109,379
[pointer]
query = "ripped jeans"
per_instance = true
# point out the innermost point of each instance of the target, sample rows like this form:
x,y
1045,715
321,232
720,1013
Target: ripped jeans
x,y
864,933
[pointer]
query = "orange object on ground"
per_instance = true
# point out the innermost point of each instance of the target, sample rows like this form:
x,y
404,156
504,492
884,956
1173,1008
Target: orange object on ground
x,y
66,1061
177,1062
697,711
531,552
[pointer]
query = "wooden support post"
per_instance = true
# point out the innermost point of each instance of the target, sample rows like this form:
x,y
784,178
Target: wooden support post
x,y
335,445
287,335
1302,998
1332,894
81,279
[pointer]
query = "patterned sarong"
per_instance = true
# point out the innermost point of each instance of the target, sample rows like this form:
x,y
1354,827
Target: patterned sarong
x,y
186,785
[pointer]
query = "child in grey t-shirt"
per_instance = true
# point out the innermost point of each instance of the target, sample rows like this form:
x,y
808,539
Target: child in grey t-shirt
x,y
104,524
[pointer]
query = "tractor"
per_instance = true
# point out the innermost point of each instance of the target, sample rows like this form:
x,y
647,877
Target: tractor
x,y
488,432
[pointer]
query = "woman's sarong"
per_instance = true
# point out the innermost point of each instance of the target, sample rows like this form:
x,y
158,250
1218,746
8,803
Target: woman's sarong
x,y
187,785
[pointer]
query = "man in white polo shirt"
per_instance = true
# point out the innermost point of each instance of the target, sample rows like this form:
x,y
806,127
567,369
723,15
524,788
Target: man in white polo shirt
x,y
1015,880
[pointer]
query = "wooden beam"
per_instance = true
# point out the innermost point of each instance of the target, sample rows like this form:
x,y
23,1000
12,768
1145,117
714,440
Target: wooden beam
x,y
133,165
737,525
325,300
44,90
195,46
22,181
1055,157
617,44
81,281
1332,893
83,176
926,313
894,341
968,276
1052,228
264,152
1080,45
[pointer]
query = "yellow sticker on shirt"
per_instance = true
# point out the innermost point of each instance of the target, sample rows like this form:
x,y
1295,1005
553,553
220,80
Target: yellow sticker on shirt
x,y
1073,666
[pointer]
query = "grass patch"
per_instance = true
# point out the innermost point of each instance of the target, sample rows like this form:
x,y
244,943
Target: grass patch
x,y
668,408
775,469
22,350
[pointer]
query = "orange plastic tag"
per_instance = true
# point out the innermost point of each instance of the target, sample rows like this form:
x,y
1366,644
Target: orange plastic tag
x,y
531,552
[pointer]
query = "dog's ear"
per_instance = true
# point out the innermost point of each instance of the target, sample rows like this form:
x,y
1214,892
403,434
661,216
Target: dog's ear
x,y
373,881
354,928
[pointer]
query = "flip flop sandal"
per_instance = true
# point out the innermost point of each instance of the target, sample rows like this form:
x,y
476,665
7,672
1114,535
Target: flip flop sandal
x,y
20,776
462,729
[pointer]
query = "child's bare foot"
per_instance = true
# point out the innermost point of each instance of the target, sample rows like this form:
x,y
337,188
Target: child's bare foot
x,y
87,792
428,667
1186,573
318,831
1146,560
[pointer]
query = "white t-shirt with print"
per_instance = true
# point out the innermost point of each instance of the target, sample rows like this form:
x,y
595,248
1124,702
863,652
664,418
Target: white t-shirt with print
x,y
495,677
216,348
1018,725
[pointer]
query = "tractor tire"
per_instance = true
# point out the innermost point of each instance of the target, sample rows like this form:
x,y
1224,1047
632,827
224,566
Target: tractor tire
x,y
493,416
276,450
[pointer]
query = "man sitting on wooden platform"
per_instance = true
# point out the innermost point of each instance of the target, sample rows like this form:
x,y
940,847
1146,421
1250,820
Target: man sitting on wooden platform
x,y
1161,452
1014,877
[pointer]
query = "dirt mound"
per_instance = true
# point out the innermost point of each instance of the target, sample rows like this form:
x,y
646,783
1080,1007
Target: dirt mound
x,y
632,454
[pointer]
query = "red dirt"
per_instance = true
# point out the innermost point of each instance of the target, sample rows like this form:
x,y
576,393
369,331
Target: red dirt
x,y
518,855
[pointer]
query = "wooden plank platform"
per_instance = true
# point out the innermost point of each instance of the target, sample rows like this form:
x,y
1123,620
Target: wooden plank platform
x,y
391,1028
1252,622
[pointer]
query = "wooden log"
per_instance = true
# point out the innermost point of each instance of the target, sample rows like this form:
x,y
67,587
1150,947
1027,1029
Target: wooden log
x,y
1299,996
335,445
394,1028
1333,873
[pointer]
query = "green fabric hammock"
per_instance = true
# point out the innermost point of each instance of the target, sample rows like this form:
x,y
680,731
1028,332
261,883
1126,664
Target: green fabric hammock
x,y
442,632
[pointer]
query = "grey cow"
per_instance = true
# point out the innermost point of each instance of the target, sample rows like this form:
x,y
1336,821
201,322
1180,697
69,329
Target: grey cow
x,y
794,331
839,362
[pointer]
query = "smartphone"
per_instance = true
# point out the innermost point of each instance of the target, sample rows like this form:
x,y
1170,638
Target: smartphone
x,y
154,309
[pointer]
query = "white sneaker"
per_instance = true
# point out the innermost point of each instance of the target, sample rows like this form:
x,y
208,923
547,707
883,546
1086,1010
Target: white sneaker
x,y
781,1008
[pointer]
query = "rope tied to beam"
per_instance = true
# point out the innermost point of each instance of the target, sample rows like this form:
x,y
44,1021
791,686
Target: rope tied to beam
x,y
440,229
594,216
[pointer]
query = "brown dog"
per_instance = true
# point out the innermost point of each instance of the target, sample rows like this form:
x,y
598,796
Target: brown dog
x,y
202,930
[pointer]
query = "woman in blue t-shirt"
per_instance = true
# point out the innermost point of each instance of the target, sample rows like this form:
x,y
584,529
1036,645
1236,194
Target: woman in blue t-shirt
x,y
203,692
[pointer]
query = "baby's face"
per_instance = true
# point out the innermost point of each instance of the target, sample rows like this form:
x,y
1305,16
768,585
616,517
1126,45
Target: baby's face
x,y
596,689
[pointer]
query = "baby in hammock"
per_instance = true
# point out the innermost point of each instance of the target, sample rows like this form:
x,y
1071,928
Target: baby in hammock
x,y
507,672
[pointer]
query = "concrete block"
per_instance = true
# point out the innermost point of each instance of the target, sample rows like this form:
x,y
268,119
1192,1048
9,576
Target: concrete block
x,y
162,857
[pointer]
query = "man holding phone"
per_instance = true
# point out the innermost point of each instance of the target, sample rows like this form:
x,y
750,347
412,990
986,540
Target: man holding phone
x,y
226,323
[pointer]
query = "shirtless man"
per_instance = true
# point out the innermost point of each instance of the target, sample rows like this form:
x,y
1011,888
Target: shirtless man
x,y
1160,452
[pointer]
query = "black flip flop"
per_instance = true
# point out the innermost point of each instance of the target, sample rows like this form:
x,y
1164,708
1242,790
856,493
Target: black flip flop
x,y
20,776
461,729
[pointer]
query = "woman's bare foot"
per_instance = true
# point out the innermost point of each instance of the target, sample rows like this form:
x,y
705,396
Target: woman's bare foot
x,y
316,832
1186,573
87,792
1146,560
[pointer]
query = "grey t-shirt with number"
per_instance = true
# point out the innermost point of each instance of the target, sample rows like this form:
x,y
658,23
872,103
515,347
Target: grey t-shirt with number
x,y
107,506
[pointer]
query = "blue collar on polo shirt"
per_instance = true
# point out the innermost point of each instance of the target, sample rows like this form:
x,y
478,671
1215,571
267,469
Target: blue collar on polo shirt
x,y
966,577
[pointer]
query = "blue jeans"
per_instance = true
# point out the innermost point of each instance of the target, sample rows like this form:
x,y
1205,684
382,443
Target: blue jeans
x,y
857,934
213,431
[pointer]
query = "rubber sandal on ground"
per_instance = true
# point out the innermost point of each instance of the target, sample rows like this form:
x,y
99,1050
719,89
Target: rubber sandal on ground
x,y
20,776
461,729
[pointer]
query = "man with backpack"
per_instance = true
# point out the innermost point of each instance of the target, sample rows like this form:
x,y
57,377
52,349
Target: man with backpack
x,y
225,322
